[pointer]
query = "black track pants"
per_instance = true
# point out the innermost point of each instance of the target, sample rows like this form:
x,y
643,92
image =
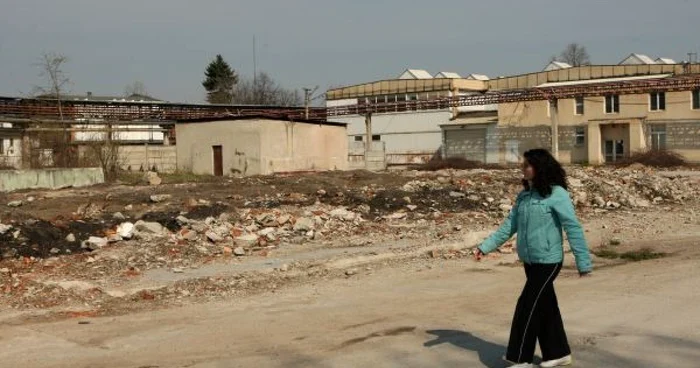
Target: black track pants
x,y
537,317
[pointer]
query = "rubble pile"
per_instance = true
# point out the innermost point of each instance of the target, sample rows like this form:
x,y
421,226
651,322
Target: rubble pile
x,y
590,187
168,230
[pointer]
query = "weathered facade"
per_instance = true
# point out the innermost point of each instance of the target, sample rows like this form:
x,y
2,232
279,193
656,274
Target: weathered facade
x,y
604,129
260,146
404,137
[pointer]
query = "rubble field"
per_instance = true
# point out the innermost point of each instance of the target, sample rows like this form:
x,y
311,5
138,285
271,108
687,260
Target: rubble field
x,y
117,248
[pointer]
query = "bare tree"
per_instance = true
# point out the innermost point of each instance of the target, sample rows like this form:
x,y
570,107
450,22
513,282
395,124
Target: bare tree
x,y
575,55
135,88
56,80
103,149
263,90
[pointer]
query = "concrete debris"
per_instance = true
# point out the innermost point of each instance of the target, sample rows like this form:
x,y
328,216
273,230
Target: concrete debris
x,y
396,216
352,211
17,203
214,237
95,242
248,240
152,178
126,230
150,228
4,228
304,224
119,216
158,198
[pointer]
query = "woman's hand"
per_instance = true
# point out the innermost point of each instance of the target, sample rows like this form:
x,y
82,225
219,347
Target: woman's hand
x,y
478,254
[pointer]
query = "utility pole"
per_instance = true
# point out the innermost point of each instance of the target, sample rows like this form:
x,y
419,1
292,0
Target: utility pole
x,y
554,116
307,102
255,63
368,136
308,93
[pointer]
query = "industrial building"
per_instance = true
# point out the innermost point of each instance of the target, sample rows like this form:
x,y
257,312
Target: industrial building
x,y
259,145
405,137
590,128
598,129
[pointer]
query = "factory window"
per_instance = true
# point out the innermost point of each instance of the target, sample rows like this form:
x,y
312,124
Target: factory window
x,y
612,104
376,138
579,105
580,135
657,101
658,137
358,138
696,99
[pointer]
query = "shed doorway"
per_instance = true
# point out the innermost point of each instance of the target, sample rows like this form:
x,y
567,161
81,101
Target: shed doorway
x,y
218,160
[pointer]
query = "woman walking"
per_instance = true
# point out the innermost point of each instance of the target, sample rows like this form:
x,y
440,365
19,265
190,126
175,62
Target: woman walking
x,y
541,210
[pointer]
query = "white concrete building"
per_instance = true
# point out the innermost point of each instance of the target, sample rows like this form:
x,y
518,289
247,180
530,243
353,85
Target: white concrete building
x,y
405,137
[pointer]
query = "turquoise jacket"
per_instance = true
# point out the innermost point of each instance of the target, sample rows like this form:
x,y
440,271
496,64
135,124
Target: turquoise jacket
x,y
538,222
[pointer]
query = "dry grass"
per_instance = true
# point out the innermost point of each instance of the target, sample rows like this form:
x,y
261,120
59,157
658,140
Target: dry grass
x,y
655,158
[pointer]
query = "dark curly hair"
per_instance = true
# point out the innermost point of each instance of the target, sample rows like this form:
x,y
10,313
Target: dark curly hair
x,y
548,172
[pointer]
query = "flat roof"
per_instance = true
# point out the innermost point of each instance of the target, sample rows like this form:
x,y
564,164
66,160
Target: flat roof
x,y
602,80
261,117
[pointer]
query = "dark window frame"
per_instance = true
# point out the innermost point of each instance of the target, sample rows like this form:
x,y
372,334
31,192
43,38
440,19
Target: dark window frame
x,y
579,105
579,136
657,101
612,104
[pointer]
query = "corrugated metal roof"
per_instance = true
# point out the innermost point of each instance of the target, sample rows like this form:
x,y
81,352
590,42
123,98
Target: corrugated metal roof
x,y
637,59
602,80
481,77
415,74
662,60
449,75
556,65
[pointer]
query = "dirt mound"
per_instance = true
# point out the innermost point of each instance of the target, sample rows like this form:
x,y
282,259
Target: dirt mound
x,y
655,158
42,239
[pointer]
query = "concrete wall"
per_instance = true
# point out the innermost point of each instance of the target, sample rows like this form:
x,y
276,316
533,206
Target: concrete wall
x,y
293,146
134,158
49,178
240,142
258,147
410,137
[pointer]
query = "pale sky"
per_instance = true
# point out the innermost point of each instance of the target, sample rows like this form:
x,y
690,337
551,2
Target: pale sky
x,y
166,44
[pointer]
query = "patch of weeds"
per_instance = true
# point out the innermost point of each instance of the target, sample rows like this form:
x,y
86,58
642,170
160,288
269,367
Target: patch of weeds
x,y
606,252
643,254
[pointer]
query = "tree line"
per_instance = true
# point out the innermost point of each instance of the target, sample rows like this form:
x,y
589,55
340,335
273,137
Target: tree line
x,y
224,86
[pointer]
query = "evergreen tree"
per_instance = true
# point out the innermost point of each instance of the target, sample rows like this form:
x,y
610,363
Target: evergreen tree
x,y
220,81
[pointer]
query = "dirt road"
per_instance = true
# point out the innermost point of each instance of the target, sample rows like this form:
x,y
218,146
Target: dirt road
x,y
453,314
